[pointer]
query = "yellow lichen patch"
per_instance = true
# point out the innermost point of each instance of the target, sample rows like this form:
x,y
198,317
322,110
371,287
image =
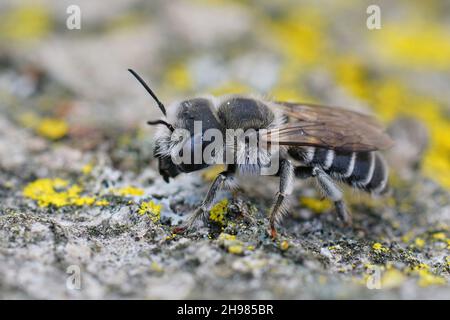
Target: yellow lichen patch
x,y
211,173
156,267
151,209
426,278
316,205
230,88
218,212
87,169
235,249
400,45
231,244
171,237
392,279
421,266
57,192
179,77
52,128
227,237
300,36
284,245
128,191
419,242
25,22
439,236
102,203
351,74
83,201
378,247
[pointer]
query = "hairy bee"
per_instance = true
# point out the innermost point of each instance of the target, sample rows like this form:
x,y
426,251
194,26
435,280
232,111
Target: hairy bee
x,y
328,144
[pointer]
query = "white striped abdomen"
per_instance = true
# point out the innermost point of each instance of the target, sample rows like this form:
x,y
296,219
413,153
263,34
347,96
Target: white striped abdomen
x,y
363,170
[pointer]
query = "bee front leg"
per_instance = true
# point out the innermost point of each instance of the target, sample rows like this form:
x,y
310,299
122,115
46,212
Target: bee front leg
x,y
223,179
331,190
286,174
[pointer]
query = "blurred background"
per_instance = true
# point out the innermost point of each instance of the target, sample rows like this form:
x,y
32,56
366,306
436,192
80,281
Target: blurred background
x,y
314,51
69,109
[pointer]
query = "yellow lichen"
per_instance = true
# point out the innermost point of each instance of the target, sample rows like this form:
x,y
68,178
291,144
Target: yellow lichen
x,y
400,45
151,209
284,245
419,242
87,169
316,205
392,279
227,237
156,267
218,212
231,244
426,278
52,128
57,192
211,173
378,247
179,77
128,191
439,236
235,249
101,203
25,22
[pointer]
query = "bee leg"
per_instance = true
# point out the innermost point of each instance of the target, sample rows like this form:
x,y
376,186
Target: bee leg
x,y
331,190
286,174
202,211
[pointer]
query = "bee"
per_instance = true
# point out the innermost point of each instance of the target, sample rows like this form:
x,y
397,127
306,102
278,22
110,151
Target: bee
x,y
329,144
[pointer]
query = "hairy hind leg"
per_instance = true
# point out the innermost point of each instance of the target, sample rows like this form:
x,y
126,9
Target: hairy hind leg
x,y
286,174
329,188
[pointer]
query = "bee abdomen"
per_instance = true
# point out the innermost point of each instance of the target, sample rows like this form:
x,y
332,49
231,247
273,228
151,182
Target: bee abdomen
x,y
370,172
362,170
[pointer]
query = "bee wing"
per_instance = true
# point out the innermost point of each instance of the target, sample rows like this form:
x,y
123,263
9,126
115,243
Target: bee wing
x,y
332,128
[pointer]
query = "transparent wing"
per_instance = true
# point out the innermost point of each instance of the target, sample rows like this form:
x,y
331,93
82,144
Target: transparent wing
x,y
332,128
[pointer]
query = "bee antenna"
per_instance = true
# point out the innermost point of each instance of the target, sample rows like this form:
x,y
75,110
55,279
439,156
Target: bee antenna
x,y
156,122
160,104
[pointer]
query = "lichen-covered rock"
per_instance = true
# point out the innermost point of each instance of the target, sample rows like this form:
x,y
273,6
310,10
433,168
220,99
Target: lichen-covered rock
x,y
84,212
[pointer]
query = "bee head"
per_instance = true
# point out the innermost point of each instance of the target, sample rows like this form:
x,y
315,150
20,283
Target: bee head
x,y
193,117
